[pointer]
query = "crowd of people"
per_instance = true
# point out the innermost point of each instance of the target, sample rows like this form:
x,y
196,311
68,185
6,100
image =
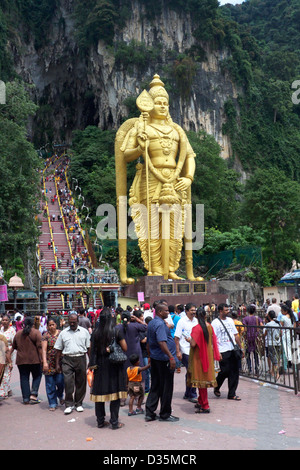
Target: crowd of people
x,y
68,217
133,354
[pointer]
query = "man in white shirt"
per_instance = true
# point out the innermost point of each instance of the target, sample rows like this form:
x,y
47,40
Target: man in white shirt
x,y
147,311
18,314
180,310
182,334
274,306
229,364
73,344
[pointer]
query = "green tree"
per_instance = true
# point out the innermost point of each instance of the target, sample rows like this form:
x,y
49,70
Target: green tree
x,y
215,185
93,164
216,241
272,205
19,176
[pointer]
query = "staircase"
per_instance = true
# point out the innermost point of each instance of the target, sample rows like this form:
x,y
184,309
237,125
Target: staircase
x,y
59,254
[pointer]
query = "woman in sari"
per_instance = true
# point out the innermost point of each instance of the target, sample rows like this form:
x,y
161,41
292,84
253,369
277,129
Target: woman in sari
x,y
4,357
204,350
9,332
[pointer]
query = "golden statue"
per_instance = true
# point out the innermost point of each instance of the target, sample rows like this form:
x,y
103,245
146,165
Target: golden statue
x,y
162,186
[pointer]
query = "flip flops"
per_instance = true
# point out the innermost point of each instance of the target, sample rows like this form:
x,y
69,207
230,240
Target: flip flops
x,y
103,425
235,398
118,426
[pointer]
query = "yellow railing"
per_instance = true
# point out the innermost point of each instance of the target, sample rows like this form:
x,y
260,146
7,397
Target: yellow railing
x,y
77,218
49,222
63,220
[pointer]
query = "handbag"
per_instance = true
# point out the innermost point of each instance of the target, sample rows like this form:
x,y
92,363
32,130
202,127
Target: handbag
x,y
236,349
116,354
90,377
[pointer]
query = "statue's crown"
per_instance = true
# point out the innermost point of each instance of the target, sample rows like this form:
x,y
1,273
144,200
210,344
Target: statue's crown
x,y
157,87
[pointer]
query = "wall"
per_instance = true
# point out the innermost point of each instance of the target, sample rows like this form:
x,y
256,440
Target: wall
x,y
233,292
83,90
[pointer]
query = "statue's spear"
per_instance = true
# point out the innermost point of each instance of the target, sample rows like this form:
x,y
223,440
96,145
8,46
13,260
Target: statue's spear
x,y
145,104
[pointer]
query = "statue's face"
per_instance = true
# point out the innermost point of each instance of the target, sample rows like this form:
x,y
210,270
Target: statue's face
x,y
161,107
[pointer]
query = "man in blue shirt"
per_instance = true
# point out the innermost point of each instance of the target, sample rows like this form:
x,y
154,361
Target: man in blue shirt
x,y
162,352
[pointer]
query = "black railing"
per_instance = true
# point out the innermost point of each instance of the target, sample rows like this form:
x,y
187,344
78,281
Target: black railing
x,y
272,355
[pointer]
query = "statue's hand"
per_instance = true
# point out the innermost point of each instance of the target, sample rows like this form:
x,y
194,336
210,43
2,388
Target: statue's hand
x,y
142,139
183,184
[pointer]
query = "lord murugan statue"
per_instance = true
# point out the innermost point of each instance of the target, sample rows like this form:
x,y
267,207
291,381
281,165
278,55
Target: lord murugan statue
x,y
161,190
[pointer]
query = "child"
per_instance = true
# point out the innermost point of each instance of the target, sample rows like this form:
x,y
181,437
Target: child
x,y
135,387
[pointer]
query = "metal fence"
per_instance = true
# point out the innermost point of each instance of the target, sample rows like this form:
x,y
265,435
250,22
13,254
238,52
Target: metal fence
x,y
83,276
272,355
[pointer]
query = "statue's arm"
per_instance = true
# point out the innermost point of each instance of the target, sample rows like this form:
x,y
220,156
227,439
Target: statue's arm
x,y
187,173
133,150
189,167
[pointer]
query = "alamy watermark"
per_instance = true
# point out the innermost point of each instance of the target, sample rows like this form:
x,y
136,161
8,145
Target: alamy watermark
x,y
2,92
166,222
296,94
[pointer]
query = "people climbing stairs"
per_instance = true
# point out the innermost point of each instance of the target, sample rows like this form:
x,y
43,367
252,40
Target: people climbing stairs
x,y
62,247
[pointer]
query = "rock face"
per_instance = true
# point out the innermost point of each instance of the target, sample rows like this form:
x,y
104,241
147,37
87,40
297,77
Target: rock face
x,y
75,91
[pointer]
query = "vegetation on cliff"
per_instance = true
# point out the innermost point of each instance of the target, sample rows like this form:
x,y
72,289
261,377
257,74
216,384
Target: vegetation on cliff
x,y
263,39
19,195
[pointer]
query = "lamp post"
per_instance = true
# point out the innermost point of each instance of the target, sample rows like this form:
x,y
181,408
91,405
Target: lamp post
x,y
16,283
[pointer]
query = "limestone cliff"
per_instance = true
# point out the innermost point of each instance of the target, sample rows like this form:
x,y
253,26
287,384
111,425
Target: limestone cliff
x,y
75,91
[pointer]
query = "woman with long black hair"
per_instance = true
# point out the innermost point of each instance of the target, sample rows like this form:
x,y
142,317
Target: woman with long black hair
x,y
109,383
204,350
28,344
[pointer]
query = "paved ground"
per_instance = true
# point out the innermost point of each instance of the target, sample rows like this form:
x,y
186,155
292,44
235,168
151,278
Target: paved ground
x,y
267,418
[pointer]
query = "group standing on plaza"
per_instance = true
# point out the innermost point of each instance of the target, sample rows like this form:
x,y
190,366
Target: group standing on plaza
x,y
152,345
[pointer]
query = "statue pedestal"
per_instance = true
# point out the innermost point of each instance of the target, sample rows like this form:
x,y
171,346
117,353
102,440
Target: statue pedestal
x,y
174,292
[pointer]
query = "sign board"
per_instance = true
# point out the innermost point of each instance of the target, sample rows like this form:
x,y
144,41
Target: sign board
x,y
199,288
167,289
183,288
140,296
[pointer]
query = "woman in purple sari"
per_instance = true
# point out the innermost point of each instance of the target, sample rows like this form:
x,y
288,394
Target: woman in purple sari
x,y
251,333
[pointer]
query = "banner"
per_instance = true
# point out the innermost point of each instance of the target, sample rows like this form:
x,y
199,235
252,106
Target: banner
x,y
3,293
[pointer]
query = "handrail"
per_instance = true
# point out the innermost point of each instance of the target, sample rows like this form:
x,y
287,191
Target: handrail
x,y
49,223
77,218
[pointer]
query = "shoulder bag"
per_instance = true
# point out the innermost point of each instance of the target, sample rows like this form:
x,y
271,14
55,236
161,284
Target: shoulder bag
x,y
116,353
236,349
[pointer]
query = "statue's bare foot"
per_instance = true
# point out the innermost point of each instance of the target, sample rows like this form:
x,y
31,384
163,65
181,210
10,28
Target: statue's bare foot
x,y
193,278
128,280
174,276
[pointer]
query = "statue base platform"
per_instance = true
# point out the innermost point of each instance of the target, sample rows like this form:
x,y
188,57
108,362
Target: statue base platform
x,y
173,291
